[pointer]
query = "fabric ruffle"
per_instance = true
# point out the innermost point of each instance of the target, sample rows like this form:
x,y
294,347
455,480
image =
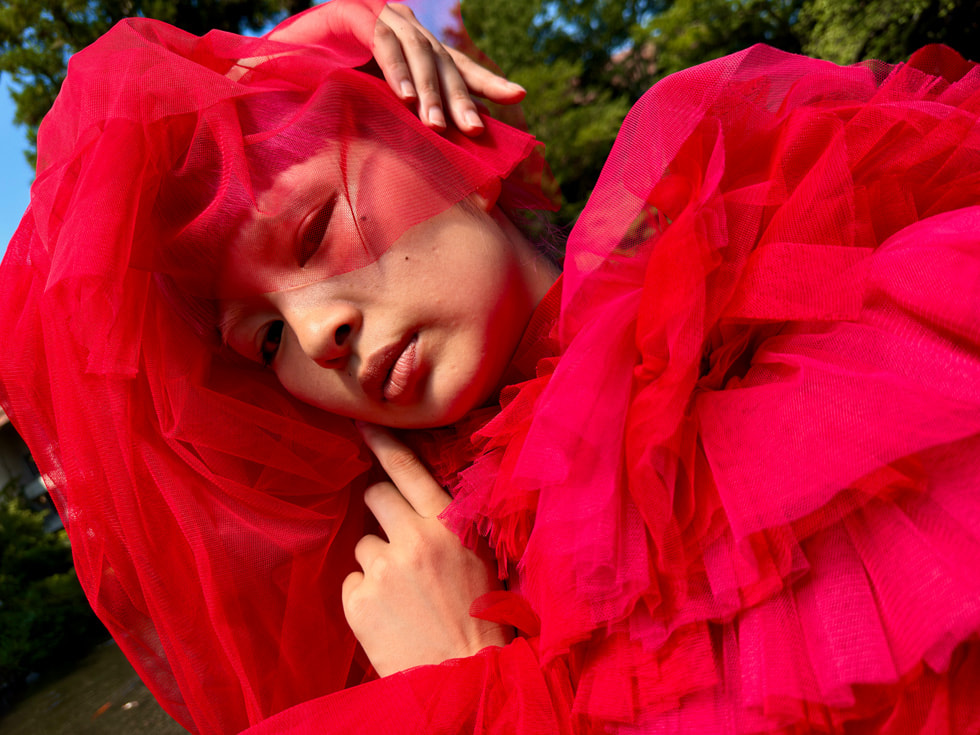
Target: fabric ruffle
x,y
747,492
212,516
741,497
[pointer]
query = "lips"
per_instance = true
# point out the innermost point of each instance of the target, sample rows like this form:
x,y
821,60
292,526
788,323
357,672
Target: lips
x,y
400,376
389,373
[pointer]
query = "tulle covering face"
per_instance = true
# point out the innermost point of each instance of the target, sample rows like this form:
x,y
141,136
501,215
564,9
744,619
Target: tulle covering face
x,y
212,517
738,494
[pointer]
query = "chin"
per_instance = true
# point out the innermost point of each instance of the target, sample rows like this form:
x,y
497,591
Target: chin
x,y
440,413
425,421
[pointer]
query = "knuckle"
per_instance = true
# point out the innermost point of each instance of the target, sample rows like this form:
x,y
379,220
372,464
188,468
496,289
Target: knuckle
x,y
349,583
372,493
377,494
350,587
356,607
419,552
402,10
380,569
361,545
428,89
398,66
459,95
383,32
416,41
403,460
460,59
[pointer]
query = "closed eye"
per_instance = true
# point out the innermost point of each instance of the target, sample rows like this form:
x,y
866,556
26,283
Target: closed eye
x,y
314,232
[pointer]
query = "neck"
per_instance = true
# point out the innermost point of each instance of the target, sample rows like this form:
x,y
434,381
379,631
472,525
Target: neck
x,y
538,272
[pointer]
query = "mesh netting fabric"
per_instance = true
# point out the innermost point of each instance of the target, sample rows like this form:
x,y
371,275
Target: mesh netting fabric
x,y
740,494
745,498
211,515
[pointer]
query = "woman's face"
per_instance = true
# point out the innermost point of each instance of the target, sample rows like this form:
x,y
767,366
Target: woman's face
x,y
414,339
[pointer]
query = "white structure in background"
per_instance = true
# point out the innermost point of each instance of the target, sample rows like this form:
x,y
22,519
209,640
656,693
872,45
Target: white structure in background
x,y
16,465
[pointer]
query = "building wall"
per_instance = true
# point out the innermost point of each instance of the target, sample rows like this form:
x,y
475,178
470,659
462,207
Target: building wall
x,y
14,458
16,464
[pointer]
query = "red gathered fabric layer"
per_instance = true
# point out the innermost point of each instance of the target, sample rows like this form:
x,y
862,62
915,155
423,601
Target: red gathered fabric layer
x,y
741,495
746,497
212,516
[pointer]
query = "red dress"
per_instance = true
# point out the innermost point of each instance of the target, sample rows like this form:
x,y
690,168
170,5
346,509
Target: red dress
x,y
738,494
745,498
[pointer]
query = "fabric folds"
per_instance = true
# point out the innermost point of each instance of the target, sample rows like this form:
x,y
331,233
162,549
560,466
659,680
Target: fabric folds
x,y
213,517
739,494
746,493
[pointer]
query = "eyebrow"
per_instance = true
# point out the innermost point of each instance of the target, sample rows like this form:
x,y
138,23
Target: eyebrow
x,y
231,315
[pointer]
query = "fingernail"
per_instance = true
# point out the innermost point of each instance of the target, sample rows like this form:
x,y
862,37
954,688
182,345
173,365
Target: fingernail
x,y
408,89
472,119
515,85
435,117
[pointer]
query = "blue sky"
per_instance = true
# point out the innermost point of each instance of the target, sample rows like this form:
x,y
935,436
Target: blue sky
x,y
16,175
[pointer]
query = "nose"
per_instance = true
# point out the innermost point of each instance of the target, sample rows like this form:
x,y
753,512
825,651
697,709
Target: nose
x,y
325,331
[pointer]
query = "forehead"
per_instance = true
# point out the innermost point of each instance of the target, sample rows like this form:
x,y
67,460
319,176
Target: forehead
x,y
261,157
373,195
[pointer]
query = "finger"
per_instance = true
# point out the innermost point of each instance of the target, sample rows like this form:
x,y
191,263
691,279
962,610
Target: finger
x,y
368,550
482,82
351,582
476,78
406,471
420,55
453,92
456,96
394,512
388,53
448,84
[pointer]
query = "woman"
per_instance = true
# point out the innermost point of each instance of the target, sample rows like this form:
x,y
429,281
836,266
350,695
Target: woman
x,y
694,488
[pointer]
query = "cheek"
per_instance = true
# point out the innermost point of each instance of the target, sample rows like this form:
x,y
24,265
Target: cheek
x,y
503,316
507,306
306,381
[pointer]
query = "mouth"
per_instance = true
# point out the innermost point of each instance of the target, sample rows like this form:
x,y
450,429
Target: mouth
x,y
389,372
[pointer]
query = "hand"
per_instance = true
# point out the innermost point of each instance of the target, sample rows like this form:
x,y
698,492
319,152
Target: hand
x,y
410,605
418,68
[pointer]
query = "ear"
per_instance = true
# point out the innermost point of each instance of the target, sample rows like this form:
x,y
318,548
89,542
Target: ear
x,y
486,196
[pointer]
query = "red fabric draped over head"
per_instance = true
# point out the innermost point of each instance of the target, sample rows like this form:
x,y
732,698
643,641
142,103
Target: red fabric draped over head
x,y
212,517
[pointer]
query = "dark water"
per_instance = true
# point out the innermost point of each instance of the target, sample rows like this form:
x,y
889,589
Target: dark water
x,y
101,696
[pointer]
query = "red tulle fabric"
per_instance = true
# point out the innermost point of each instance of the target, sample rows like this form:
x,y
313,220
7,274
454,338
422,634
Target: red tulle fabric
x,y
738,493
213,517
745,498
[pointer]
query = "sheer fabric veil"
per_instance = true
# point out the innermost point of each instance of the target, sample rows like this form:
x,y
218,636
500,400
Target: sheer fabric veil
x,y
212,517
739,495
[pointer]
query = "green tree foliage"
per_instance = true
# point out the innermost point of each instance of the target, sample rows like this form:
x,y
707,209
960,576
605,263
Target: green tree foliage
x,y
584,62
691,32
44,617
571,56
578,124
846,31
843,31
38,36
